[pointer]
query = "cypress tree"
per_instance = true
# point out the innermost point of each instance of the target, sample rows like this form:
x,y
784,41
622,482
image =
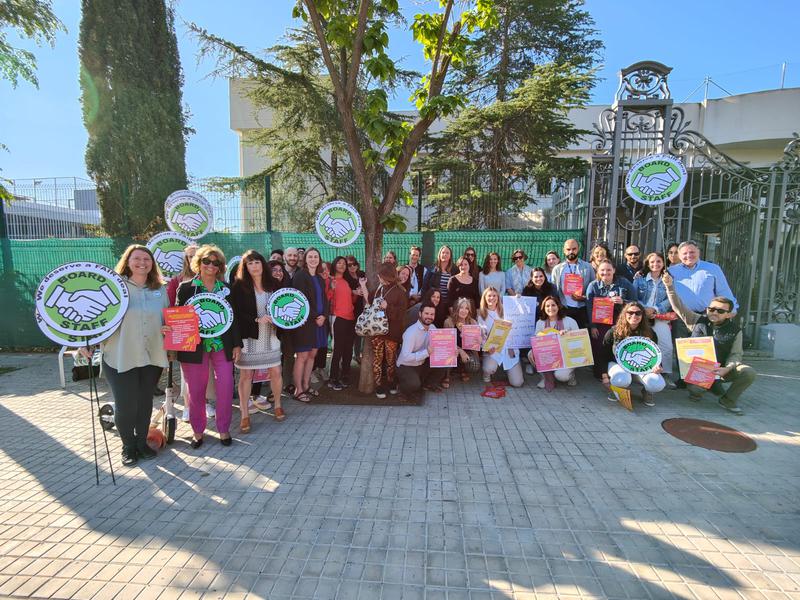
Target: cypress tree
x,y
131,95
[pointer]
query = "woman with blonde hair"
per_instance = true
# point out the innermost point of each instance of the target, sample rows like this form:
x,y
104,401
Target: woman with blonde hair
x,y
134,355
463,313
438,277
491,309
221,351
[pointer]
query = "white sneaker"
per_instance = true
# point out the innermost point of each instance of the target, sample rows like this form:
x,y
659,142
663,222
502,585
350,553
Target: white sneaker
x,y
211,412
540,385
487,379
529,369
573,381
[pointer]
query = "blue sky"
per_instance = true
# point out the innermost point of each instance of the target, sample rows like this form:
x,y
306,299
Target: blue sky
x,y
741,45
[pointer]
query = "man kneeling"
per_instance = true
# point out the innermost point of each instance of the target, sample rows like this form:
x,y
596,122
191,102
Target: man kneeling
x,y
413,365
717,323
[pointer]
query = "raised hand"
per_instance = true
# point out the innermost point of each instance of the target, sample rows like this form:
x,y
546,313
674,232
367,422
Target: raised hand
x,y
189,221
667,278
639,358
170,262
289,311
208,318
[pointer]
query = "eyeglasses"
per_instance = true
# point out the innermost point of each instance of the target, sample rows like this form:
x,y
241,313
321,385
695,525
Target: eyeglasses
x,y
352,264
209,261
634,313
719,311
470,255
518,257
632,253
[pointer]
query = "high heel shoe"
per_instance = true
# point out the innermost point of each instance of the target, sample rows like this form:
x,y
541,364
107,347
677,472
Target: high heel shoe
x,y
244,426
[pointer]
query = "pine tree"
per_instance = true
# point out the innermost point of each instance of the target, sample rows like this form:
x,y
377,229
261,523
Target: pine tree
x,y
131,94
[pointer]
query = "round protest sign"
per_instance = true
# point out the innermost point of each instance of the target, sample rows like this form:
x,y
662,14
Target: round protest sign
x,y
289,308
232,265
214,313
338,223
167,249
656,179
82,298
67,339
189,213
638,355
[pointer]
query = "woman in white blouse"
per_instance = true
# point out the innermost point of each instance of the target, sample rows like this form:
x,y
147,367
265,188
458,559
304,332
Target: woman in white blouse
x,y
492,274
554,319
490,310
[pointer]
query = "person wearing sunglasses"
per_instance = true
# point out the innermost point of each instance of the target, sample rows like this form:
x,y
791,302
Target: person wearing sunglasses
x,y
633,265
472,256
221,351
632,322
718,323
518,276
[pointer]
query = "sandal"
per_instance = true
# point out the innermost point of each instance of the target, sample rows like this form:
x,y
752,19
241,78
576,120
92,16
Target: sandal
x,y
244,425
312,392
302,397
279,415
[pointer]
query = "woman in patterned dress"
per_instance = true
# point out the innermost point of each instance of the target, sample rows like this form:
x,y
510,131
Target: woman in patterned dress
x,y
260,346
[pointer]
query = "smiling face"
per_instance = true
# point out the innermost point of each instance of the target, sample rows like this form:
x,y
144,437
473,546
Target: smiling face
x,y
550,308
633,315
390,258
491,299
292,256
672,255
313,260
445,255
632,254
599,253
413,256
277,272
140,263
210,266
656,265
718,312
538,278
402,275
689,255
427,315
340,266
463,266
605,272
470,255
494,260
552,260
436,297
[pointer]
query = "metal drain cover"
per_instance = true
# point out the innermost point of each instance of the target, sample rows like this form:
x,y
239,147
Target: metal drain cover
x,y
706,434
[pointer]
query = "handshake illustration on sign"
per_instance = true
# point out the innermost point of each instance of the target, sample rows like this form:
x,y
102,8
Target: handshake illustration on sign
x,y
170,262
189,221
639,358
208,318
656,183
289,312
82,305
337,227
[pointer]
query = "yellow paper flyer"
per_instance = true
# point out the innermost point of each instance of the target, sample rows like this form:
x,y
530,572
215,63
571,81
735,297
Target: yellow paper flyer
x,y
497,336
577,349
695,347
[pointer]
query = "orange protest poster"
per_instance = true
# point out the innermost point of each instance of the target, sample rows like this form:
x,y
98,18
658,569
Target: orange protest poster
x,y
185,334
603,311
573,282
701,372
623,396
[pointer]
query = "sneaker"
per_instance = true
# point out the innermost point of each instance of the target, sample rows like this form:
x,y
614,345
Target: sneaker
x,y
259,404
211,412
331,383
612,397
380,392
648,399
393,389
670,384
487,379
344,383
129,457
540,385
336,386
573,381
729,406
146,453
529,369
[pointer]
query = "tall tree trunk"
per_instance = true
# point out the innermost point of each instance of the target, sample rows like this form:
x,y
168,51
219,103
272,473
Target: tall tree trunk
x,y
373,252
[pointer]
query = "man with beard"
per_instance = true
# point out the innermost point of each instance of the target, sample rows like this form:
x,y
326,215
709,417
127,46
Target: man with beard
x,y
633,264
292,258
581,275
413,365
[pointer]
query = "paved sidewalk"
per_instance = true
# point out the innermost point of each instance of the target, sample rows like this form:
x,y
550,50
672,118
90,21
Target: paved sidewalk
x,y
536,495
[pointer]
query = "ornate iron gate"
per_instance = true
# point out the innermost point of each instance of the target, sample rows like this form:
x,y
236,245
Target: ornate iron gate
x,y
745,219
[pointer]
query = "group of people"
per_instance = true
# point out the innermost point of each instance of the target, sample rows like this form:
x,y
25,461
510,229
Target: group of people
x,y
655,297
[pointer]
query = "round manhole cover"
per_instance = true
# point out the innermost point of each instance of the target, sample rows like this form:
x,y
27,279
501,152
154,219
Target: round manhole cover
x,y
706,434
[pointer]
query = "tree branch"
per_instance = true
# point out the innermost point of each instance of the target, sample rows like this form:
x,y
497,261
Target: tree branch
x,y
358,45
440,43
316,22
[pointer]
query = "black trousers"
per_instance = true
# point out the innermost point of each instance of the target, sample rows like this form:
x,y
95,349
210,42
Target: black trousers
x,y
579,314
344,336
133,402
411,379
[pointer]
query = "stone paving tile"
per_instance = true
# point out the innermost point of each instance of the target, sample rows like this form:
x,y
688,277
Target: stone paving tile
x,y
537,495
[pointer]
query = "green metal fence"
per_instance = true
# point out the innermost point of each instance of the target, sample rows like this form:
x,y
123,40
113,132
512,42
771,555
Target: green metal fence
x,y
26,262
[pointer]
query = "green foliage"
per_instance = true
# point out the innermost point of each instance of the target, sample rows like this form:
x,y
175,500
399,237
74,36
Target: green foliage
x,y
520,79
32,19
131,96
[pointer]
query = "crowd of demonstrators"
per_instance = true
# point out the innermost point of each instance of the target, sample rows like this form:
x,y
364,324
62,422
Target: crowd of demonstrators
x,y
660,298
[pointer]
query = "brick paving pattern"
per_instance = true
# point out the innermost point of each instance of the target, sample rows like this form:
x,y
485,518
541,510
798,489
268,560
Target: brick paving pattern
x,y
536,495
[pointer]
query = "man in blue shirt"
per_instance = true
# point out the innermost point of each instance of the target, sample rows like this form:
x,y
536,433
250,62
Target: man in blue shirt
x,y
697,281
